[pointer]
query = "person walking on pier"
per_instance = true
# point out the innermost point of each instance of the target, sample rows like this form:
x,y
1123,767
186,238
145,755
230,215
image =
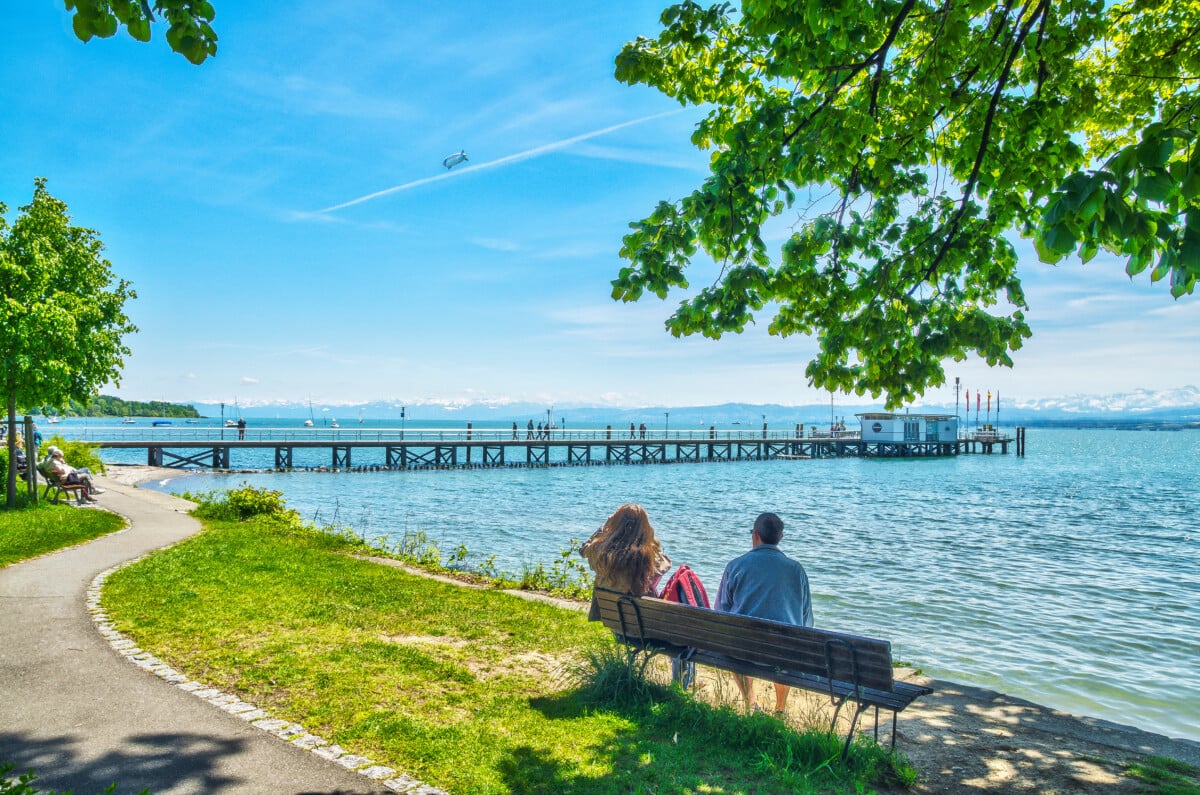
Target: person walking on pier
x,y
241,428
529,431
765,583
642,430
632,431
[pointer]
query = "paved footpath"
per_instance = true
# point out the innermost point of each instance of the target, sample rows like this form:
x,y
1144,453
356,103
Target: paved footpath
x,y
82,716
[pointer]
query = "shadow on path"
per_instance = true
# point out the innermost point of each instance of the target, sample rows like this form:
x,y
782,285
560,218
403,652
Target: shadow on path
x,y
179,762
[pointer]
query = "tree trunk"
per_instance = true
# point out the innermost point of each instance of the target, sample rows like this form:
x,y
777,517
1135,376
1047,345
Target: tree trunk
x,y
11,494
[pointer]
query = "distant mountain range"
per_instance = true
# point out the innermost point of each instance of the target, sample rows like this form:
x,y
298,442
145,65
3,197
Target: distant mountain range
x,y
1171,407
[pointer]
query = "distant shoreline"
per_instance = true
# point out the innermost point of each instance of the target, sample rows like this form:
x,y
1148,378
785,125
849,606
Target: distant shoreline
x,y
1079,424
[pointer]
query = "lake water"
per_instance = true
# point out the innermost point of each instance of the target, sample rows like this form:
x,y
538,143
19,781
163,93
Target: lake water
x,y
1070,577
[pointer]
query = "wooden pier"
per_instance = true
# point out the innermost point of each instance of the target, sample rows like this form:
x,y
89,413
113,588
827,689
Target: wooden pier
x,y
486,449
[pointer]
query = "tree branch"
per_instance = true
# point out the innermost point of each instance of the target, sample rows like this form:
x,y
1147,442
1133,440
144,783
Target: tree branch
x,y
894,31
984,142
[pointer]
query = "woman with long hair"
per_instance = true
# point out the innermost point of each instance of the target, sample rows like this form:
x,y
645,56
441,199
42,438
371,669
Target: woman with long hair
x,y
625,555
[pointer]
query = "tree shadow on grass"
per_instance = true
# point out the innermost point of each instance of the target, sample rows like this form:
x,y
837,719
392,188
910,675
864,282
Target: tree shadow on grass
x,y
636,759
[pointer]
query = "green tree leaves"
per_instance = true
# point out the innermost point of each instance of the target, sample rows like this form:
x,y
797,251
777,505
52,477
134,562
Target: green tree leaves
x,y
189,29
62,318
936,131
1141,204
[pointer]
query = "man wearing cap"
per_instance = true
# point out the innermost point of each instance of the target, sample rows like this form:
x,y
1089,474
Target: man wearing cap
x,y
69,474
765,583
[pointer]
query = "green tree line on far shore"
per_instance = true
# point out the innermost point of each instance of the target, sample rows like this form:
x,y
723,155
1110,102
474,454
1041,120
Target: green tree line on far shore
x,y
109,406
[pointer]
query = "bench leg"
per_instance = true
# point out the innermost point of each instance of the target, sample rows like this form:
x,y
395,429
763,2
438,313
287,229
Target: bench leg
x,y
859,708
683,671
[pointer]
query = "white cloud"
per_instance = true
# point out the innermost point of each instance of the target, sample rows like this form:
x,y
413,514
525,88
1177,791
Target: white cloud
x,y
496,244
298,93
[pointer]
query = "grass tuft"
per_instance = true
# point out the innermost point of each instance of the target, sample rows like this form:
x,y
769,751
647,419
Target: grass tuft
x,y
607,676
1166,776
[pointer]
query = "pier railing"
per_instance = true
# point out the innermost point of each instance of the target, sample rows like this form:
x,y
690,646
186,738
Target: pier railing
x,y
103,434
403,448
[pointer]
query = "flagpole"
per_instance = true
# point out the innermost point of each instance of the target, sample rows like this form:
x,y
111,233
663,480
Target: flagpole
x,y
956,388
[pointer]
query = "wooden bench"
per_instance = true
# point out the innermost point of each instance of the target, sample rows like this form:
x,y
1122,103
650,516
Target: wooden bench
x,y
56,489
844,667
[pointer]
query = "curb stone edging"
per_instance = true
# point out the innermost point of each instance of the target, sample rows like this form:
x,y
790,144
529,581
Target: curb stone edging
x,y
285,730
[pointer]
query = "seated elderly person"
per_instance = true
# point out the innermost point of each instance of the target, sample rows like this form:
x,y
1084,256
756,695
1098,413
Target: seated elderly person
x,y
65,473
22,461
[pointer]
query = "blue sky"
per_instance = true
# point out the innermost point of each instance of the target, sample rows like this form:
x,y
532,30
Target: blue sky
x,y
284,215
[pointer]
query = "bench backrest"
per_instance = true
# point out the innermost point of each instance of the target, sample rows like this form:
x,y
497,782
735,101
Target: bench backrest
x,y
50,476
802,650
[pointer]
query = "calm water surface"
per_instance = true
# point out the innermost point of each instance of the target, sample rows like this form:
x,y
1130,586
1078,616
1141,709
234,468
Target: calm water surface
x,y
1070,577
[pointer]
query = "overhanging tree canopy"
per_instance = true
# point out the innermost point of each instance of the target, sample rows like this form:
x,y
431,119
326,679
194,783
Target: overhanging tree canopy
x,y
189,29
928,133
62,316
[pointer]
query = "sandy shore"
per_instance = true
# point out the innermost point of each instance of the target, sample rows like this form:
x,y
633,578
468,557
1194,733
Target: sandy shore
x,y
969,740
133,474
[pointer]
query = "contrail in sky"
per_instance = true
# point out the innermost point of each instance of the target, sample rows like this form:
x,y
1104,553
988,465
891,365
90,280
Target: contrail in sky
x,y
528,153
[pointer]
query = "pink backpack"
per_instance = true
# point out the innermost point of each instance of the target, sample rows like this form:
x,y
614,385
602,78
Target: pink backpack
x,y
684,586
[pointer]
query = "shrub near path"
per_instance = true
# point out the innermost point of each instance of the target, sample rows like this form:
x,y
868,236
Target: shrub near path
x,y
460,687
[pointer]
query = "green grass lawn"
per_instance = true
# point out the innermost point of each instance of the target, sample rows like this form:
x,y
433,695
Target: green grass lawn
x,y
37,529
464,688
